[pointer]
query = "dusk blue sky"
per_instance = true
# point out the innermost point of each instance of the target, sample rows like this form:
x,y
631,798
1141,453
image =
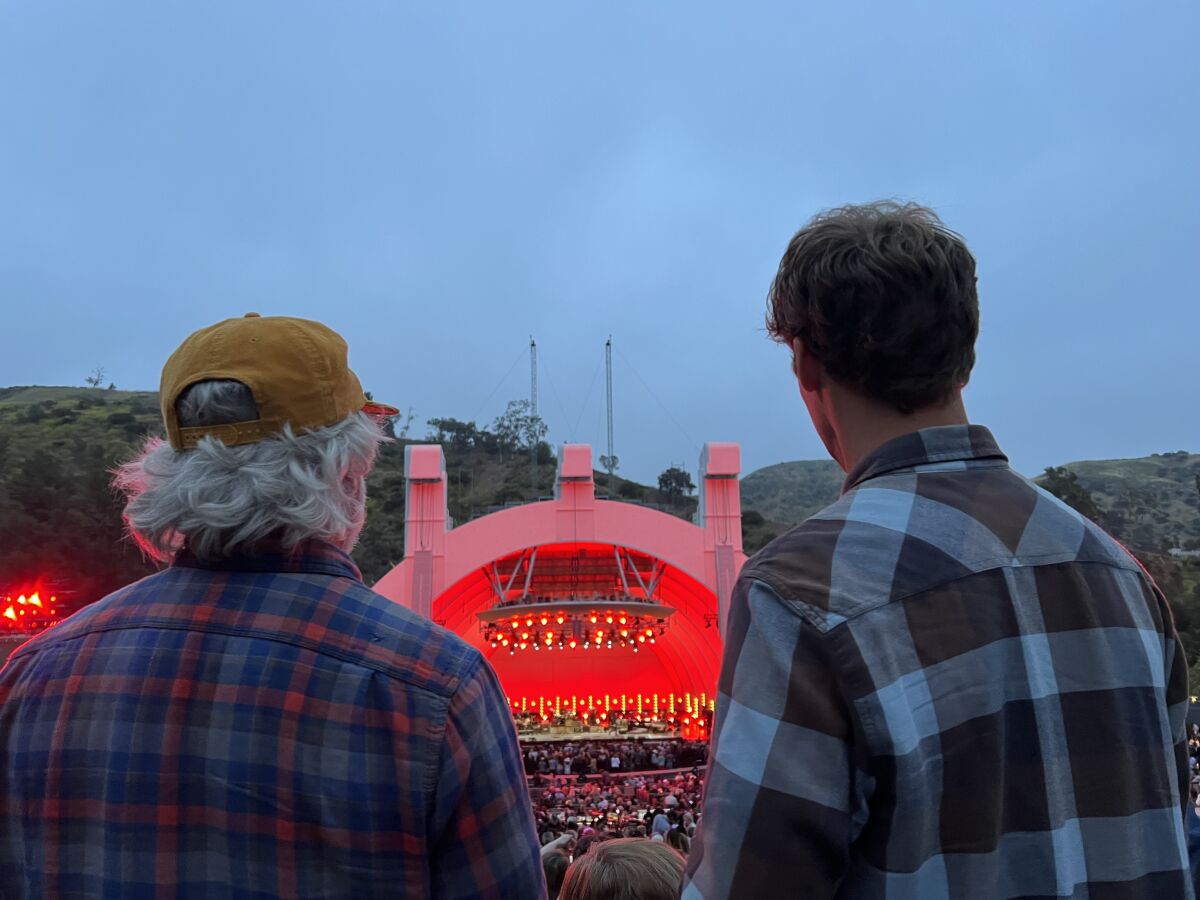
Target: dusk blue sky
x,y
438,181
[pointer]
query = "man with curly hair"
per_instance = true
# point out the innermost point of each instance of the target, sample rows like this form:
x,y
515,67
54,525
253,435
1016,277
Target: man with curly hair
x,y
948,683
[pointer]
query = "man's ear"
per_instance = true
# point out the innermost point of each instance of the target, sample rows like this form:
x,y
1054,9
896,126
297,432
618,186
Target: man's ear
x,y
807,369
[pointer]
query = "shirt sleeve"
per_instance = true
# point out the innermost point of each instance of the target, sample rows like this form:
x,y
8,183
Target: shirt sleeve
x,y
783,798
482,833
1177,704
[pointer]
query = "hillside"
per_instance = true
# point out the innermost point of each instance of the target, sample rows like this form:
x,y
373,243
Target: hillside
x,y
790,492
60,523
1151,504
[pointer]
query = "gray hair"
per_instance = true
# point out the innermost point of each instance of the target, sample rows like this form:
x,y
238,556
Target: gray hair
x,y
220,500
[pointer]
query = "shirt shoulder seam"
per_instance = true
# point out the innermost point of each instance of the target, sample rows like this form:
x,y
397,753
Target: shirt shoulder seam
x,y
451,685
815,616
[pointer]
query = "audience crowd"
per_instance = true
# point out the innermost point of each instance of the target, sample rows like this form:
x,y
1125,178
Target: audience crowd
x,y
1193,749
577,811
582,758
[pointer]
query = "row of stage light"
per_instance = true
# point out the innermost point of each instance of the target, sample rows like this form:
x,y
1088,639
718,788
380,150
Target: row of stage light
x,y
569,631
599,706
25,614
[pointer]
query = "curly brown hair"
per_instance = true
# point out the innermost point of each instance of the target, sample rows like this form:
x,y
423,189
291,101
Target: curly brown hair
x,y
883,295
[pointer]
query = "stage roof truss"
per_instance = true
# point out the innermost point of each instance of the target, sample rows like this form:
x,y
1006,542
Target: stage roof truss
x,y
551,569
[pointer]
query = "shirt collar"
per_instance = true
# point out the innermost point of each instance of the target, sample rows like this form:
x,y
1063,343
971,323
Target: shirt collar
x,y
311,555
946,443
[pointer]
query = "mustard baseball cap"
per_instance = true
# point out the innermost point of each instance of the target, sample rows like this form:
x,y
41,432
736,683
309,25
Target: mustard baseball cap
x,y
297,370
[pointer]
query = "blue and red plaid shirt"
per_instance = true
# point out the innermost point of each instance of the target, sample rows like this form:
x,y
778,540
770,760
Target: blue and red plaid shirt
x,y
268,727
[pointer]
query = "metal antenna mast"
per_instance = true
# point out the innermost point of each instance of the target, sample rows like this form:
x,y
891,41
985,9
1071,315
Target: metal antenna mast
x,y
533,398
609,462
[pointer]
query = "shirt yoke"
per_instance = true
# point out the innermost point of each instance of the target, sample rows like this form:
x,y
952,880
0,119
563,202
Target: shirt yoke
x,y
332,616
912,531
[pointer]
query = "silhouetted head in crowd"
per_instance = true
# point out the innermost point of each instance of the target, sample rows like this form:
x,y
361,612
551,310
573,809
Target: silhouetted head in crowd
x,y
587,841
625,869
555,866
879,307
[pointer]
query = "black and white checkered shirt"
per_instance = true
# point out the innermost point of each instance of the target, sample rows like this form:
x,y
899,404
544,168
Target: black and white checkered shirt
x,y
946,684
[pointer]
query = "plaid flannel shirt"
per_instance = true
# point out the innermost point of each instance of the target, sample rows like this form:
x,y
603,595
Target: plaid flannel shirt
x,y
265,728
946,684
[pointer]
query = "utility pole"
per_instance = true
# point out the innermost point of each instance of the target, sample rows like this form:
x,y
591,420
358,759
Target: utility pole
x,y
610,461
533,411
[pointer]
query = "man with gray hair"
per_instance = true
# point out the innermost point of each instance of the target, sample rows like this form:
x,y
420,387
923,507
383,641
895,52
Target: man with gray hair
x,y
253,721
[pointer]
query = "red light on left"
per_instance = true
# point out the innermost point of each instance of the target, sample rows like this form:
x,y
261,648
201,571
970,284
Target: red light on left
x,y
26,612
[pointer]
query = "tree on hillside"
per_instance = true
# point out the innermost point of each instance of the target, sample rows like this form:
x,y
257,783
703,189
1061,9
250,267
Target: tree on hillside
x,y
96,378
675,482
399,429
519,428
459,435
1064,484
